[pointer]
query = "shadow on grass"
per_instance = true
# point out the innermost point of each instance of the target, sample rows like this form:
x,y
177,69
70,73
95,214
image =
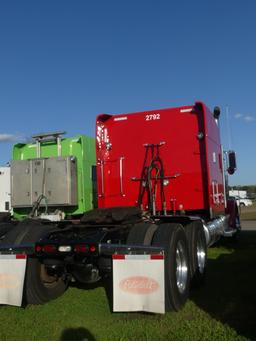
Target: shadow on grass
x,y
76,334
229,293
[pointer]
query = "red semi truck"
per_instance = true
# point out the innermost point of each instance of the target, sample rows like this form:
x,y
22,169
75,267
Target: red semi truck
x,y
161,178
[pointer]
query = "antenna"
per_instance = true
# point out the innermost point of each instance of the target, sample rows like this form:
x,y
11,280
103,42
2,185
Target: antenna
x,y
228,128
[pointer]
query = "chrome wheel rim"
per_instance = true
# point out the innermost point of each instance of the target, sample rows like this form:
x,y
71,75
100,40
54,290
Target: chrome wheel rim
x,y
181,268
201,255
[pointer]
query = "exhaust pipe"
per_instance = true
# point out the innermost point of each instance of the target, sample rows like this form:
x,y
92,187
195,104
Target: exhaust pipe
x,y
215,229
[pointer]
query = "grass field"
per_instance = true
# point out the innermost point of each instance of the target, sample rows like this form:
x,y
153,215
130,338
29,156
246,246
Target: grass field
x,y
248,213
223,309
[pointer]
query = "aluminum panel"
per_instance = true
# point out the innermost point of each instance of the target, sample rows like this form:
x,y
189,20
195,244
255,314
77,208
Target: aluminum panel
x,y
21,183
55,178
60,181
38,178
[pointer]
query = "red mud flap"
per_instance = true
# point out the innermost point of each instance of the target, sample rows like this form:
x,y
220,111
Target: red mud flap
x,y
12,274
138,283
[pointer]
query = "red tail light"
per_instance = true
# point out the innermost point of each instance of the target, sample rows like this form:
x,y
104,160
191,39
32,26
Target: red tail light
x,y
81,248
93,248
38,248
21,256
49,248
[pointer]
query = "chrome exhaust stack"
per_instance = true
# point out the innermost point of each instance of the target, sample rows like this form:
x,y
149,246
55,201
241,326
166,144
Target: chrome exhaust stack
x,y
215,229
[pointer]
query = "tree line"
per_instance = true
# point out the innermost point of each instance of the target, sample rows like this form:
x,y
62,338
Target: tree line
x,y
250,189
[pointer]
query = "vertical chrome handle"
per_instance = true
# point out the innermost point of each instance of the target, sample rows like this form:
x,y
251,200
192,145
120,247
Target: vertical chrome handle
x,y
38,148
217,193
121,175
102,177
59,145
213,192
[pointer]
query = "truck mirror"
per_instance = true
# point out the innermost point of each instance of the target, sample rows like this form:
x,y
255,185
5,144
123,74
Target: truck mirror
x,y
216,113
231,162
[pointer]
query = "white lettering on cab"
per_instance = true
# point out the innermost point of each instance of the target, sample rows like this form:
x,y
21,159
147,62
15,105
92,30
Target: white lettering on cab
x,y
151,117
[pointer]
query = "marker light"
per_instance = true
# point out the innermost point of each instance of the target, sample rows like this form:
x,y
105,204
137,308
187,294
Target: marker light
x,y
38,248
64,248
81,248
92,248
49,248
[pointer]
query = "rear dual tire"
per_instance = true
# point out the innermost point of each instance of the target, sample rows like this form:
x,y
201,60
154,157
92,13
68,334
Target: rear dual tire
x,y
177,273
39,286
141,234
197,252
5,227
172,238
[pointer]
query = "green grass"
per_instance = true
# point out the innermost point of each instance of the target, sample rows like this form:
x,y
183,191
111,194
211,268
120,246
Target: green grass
x,y
223,309
248,213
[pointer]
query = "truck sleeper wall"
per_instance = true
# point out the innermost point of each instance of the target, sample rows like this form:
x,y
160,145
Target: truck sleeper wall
x,y
189,147
5,189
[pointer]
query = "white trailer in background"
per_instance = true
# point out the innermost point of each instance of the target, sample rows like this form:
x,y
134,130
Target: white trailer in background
x,y
241,198
5,189
238,193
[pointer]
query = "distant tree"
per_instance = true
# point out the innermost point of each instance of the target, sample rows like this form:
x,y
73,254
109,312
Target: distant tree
x,y
250,189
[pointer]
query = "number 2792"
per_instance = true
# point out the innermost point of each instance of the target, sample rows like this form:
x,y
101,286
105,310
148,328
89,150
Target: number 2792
x,y
152,117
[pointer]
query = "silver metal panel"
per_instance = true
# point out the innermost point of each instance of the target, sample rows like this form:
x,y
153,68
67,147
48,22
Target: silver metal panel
x,y
55,178
38,178
21,183
61,182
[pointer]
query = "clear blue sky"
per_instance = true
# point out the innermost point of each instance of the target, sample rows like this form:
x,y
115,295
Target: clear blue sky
x,y
63,62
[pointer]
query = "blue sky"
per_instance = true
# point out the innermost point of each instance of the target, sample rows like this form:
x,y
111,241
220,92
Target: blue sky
x,y
63,62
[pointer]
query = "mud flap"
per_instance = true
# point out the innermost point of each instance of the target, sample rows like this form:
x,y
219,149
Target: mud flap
x,y
12,274
138,283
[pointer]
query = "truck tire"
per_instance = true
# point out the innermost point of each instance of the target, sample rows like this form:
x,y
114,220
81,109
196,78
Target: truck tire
x,y
5,228
197,252
5,217
39,286
141,234
177,275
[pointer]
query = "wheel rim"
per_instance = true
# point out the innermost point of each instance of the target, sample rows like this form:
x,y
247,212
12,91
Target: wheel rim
x,y
49,281
181,267
201,254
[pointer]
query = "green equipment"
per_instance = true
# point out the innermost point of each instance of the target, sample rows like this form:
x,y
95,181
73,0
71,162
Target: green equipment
x,y
53,177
